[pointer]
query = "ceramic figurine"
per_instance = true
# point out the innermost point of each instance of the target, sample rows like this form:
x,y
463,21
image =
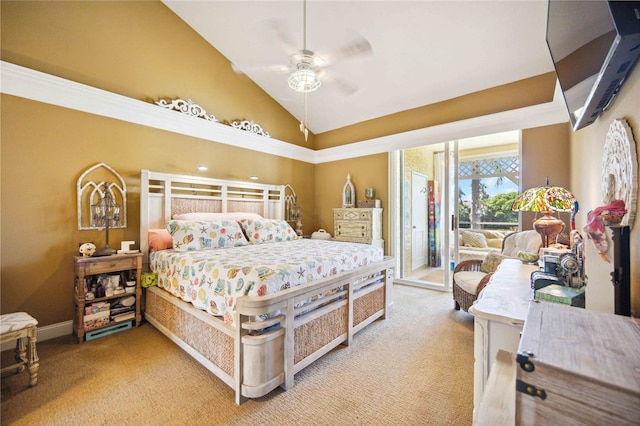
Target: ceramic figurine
x,y
87,249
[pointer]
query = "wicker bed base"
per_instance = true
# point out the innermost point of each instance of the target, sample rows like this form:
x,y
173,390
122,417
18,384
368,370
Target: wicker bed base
x,y
257,356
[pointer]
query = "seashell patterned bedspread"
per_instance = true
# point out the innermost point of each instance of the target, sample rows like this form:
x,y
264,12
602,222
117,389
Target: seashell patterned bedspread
x,y
212,280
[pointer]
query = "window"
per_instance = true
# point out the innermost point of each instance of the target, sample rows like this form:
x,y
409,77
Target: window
x,y
488,185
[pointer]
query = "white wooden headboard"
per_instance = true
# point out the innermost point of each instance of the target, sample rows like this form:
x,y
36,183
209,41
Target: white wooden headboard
x,y
163,195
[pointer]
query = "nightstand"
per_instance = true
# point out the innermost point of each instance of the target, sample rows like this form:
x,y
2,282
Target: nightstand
x,y
94,318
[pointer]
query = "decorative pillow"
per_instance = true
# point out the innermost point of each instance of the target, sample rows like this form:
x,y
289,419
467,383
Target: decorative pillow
x,y
189,235
268,230
474,239
492,234
494,242
220,234
185,234
211,216
491,262
159,239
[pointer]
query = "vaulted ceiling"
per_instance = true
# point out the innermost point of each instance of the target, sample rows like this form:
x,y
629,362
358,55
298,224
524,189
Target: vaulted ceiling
x,y
422,52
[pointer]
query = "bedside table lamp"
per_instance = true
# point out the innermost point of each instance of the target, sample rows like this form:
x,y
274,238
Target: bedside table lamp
x,y
106,213
545,199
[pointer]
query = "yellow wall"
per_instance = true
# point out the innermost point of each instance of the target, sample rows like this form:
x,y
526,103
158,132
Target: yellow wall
x,y
366,172
139,49
545,154
531,91
586,169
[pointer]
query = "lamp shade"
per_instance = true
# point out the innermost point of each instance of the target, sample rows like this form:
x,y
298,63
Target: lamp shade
x,y
545,199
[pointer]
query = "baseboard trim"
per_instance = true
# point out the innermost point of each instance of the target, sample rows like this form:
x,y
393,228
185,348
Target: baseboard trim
x,y
45,333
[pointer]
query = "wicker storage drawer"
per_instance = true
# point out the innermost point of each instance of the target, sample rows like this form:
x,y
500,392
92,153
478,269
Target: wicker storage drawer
x,y
577,367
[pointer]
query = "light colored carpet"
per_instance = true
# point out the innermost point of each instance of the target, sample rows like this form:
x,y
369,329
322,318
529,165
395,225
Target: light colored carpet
x,y
436,276
415,368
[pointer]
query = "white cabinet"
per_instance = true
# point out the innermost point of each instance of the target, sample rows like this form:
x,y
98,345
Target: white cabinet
x,y
358,225
500,313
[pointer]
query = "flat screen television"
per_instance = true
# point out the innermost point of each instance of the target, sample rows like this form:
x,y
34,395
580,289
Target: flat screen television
x,y
594,46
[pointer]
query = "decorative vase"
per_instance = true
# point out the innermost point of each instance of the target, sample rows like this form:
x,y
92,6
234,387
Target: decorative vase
x,y
369,193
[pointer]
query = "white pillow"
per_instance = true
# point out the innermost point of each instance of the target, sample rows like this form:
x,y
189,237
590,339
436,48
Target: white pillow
x,y
474,239
211,216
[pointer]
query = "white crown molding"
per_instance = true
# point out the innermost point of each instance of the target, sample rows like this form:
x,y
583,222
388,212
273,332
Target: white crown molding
x,y
38,86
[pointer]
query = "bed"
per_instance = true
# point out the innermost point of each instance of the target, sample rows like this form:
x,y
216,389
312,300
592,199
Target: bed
x,y
253,323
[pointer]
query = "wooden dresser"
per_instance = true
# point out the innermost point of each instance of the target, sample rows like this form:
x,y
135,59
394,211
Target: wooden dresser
x,y
358,225
572,367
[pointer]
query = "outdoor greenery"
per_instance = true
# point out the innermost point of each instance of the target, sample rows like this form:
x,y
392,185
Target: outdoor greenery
x,y
491,209
464,212
498,208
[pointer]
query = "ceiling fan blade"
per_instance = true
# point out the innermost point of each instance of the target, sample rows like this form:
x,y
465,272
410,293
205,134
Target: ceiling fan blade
x,y
277,28
241,69
356,48
341,84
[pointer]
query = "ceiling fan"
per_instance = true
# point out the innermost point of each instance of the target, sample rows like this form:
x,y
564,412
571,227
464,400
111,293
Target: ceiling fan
x,y
307,69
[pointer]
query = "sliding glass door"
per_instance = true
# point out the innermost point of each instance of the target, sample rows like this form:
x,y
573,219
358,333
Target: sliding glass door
x,y
453,204
427,184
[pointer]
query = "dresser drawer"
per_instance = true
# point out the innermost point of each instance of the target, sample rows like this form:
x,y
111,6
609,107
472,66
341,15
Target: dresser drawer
x,y
358,225
353,229
352,214
102,265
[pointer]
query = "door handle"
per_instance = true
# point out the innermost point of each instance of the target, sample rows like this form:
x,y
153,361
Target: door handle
x,y
454,222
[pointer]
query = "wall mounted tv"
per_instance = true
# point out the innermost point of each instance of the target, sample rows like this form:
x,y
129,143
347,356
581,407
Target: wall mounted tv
x,y
594,46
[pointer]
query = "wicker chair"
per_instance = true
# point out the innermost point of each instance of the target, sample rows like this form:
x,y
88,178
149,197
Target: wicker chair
x,y
469,279
464,293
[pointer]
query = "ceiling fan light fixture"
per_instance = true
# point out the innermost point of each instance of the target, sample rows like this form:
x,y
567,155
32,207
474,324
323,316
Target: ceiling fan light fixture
x,y
304,79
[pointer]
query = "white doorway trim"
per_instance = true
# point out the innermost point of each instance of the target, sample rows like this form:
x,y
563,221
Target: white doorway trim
x,y
419,196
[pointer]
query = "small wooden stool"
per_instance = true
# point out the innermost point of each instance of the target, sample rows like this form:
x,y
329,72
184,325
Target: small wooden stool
x,y
21,326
